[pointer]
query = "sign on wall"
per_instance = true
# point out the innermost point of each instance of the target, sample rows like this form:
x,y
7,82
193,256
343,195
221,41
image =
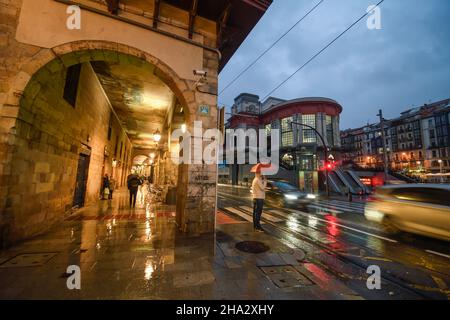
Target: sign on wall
x,y
204,110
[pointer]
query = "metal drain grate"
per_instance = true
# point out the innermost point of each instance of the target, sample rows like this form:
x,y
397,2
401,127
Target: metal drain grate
x,y
28,260
252,247
286,276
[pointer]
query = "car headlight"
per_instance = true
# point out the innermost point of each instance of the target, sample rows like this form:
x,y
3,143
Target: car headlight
x,y
291,197
310,196
373,215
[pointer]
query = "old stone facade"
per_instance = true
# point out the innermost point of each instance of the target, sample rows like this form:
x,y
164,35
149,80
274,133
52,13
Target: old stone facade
x,y
41,136
416,142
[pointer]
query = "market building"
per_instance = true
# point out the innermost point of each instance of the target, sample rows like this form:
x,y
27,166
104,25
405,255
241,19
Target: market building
x,y
301,149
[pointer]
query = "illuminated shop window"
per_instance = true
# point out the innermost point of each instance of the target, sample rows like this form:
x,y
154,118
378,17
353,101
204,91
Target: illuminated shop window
x,y
309,136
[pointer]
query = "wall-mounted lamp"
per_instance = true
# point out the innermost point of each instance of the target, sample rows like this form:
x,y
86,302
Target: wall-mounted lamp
x,y
183,128
114,163
152,156
157,136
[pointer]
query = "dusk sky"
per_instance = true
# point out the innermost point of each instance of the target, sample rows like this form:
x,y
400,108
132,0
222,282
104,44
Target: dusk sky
x,y
405,64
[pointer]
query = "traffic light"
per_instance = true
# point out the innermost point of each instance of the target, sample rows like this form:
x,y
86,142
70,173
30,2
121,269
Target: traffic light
x,y
330,165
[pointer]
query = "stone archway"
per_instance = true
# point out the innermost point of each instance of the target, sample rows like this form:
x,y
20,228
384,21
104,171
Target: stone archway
x,y
72,54
182,89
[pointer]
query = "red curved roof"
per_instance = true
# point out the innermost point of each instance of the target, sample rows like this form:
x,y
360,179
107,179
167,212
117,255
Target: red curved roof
x,y
289,108
303,106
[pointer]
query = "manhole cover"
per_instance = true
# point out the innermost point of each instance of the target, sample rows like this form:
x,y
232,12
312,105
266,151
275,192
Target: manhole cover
x,y
28,260
286,276
252,247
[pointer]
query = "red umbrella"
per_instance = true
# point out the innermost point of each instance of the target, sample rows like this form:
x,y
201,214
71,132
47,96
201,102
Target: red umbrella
x,y
257,168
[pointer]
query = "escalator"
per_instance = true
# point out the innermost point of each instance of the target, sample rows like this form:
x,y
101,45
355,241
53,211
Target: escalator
x,y
348,181
335,183
355,178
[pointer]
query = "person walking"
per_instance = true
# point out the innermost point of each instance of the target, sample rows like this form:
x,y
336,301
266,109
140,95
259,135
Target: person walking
x,y
112,187
259,185
133,183
348,193
105,187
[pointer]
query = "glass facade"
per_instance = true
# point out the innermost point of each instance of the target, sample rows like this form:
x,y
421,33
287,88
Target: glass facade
x,y
309,136
329,128
287,135
268,129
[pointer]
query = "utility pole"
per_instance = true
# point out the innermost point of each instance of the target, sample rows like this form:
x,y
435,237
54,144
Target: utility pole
x,y
383,137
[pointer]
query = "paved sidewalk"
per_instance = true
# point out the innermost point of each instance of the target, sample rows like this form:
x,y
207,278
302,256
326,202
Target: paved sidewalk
x,y
138,253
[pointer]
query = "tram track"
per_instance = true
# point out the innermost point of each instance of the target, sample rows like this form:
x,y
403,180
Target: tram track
x,y
285,233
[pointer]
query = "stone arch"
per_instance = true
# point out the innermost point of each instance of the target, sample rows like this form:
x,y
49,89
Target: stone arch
x,y
180,87
79,52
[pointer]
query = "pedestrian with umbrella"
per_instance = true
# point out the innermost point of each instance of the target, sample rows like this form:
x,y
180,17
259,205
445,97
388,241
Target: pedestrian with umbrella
x,y
259,185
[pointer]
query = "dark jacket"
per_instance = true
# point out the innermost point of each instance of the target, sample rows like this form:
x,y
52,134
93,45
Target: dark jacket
x,y
133,182
105,183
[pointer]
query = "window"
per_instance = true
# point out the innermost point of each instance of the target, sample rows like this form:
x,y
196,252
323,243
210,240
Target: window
x,y
329,125
268,129
71,85
432,135
285,186
287,136
309,135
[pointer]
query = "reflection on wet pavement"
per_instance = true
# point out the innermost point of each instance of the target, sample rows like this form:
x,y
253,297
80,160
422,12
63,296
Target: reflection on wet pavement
x,y
356,242
138,253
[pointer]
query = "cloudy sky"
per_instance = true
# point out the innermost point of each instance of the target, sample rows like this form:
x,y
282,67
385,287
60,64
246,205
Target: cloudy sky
x,y
405,64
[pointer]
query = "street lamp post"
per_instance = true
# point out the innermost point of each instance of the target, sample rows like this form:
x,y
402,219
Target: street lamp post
x,y
383,137
440,166
325,152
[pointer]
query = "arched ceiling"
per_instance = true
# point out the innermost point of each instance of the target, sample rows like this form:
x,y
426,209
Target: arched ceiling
x,y
139,98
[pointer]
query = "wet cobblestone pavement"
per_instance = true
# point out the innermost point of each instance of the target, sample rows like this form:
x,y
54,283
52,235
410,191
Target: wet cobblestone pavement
x,y
139,254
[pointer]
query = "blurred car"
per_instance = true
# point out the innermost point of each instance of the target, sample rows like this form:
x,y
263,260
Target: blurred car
x,y
417,208
284,194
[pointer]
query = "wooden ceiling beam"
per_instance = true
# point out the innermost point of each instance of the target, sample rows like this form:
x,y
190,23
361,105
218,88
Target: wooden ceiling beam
x,y
113,6
192,16
156,7
222,23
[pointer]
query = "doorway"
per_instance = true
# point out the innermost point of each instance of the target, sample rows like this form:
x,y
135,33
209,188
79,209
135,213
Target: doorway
x,y
81,181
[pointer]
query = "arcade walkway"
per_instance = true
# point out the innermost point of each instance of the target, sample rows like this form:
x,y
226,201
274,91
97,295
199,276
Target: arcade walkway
x,y
137,253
